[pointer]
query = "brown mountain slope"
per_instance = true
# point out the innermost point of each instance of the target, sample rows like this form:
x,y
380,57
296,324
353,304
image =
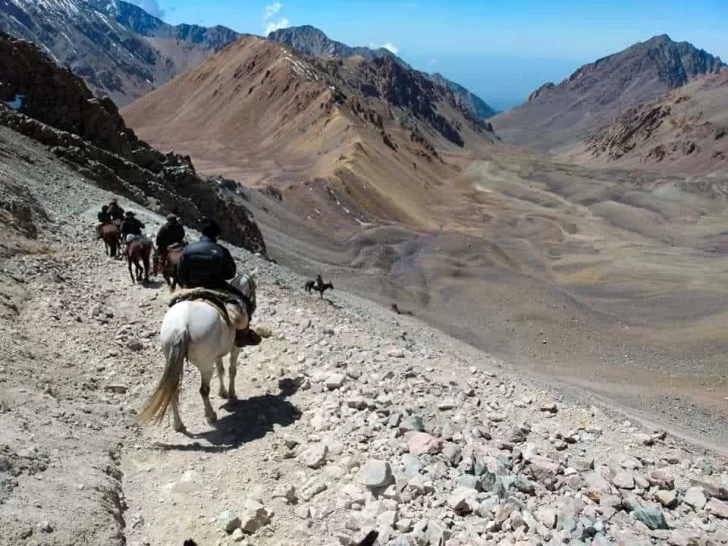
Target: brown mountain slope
x,y
51,105
362,138
684,131
557,116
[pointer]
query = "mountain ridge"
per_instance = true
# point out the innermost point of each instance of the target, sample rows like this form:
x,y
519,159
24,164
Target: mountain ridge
x,y
311,41
556,116
359,137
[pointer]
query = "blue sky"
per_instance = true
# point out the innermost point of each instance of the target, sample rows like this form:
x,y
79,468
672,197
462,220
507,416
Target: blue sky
x,y
500,49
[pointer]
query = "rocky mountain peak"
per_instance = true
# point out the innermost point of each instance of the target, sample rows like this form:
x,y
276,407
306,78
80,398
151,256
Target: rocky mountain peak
x,y
311,41
560,115
119,49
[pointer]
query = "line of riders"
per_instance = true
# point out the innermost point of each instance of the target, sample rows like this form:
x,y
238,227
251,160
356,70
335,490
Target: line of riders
x,y
204,264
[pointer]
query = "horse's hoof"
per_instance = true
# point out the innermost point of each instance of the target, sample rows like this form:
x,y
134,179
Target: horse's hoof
x,y
223,394
233,398
179,427
212,418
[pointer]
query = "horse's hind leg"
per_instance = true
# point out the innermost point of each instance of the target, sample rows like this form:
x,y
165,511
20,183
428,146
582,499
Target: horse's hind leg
x,y
232,372
130,273
176,420
210,414
222,392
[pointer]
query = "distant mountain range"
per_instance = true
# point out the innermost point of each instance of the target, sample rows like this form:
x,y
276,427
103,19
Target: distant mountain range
x,y
125,52
556,117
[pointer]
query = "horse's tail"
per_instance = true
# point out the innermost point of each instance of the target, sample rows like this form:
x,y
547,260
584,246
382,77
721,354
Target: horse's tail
x,y
168,388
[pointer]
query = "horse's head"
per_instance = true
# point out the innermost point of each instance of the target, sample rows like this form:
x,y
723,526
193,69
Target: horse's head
x,y
245,282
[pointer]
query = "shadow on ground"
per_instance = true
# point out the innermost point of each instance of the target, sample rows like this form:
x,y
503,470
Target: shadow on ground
x,y
249,419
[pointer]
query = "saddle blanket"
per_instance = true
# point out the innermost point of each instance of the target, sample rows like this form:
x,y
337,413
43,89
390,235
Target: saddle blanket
x,y
219,299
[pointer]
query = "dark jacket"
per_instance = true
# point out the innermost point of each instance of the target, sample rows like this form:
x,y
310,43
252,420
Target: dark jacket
x,y
116,212
131,226
205,264
170,234
104,217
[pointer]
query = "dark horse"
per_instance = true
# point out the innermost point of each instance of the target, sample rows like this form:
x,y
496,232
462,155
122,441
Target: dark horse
x,y
111,235
320,288
139,250
169,270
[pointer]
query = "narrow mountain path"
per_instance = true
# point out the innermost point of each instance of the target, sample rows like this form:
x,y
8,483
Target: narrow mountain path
x,y
349,418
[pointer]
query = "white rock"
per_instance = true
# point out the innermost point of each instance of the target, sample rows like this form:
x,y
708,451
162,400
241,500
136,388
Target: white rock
x,y
376,474
228,521
335,381
694,497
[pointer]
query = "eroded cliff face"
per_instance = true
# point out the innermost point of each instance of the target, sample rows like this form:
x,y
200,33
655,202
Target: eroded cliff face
x,y
52,105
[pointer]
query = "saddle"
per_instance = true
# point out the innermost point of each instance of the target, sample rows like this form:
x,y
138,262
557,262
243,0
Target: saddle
x,y
218,298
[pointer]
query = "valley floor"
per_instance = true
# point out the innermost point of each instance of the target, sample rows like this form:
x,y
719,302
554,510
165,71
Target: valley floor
x,y
349,418
608,282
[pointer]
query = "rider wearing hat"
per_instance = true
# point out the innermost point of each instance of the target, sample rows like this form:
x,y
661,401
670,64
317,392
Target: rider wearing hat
x,y
104,218
131,225
115,211
169,234
208,264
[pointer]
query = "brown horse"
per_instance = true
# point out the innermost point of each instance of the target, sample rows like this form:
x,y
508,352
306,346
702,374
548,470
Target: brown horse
x,y
111,236
139,250
169,269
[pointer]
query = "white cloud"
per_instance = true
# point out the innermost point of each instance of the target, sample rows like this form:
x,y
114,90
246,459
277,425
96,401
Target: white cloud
x,y
272,10
272,26
391,47
152,7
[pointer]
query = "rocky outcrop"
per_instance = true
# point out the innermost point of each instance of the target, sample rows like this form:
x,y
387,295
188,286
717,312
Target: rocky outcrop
x,y
54,107
621,138
684,129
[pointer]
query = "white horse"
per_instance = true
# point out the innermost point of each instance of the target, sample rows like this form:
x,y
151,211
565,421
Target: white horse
x,y
195,330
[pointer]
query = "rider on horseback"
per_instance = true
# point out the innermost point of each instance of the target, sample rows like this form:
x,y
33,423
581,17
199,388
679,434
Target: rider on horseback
x,y
171,233
115,211
104,218
207,264
131,226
